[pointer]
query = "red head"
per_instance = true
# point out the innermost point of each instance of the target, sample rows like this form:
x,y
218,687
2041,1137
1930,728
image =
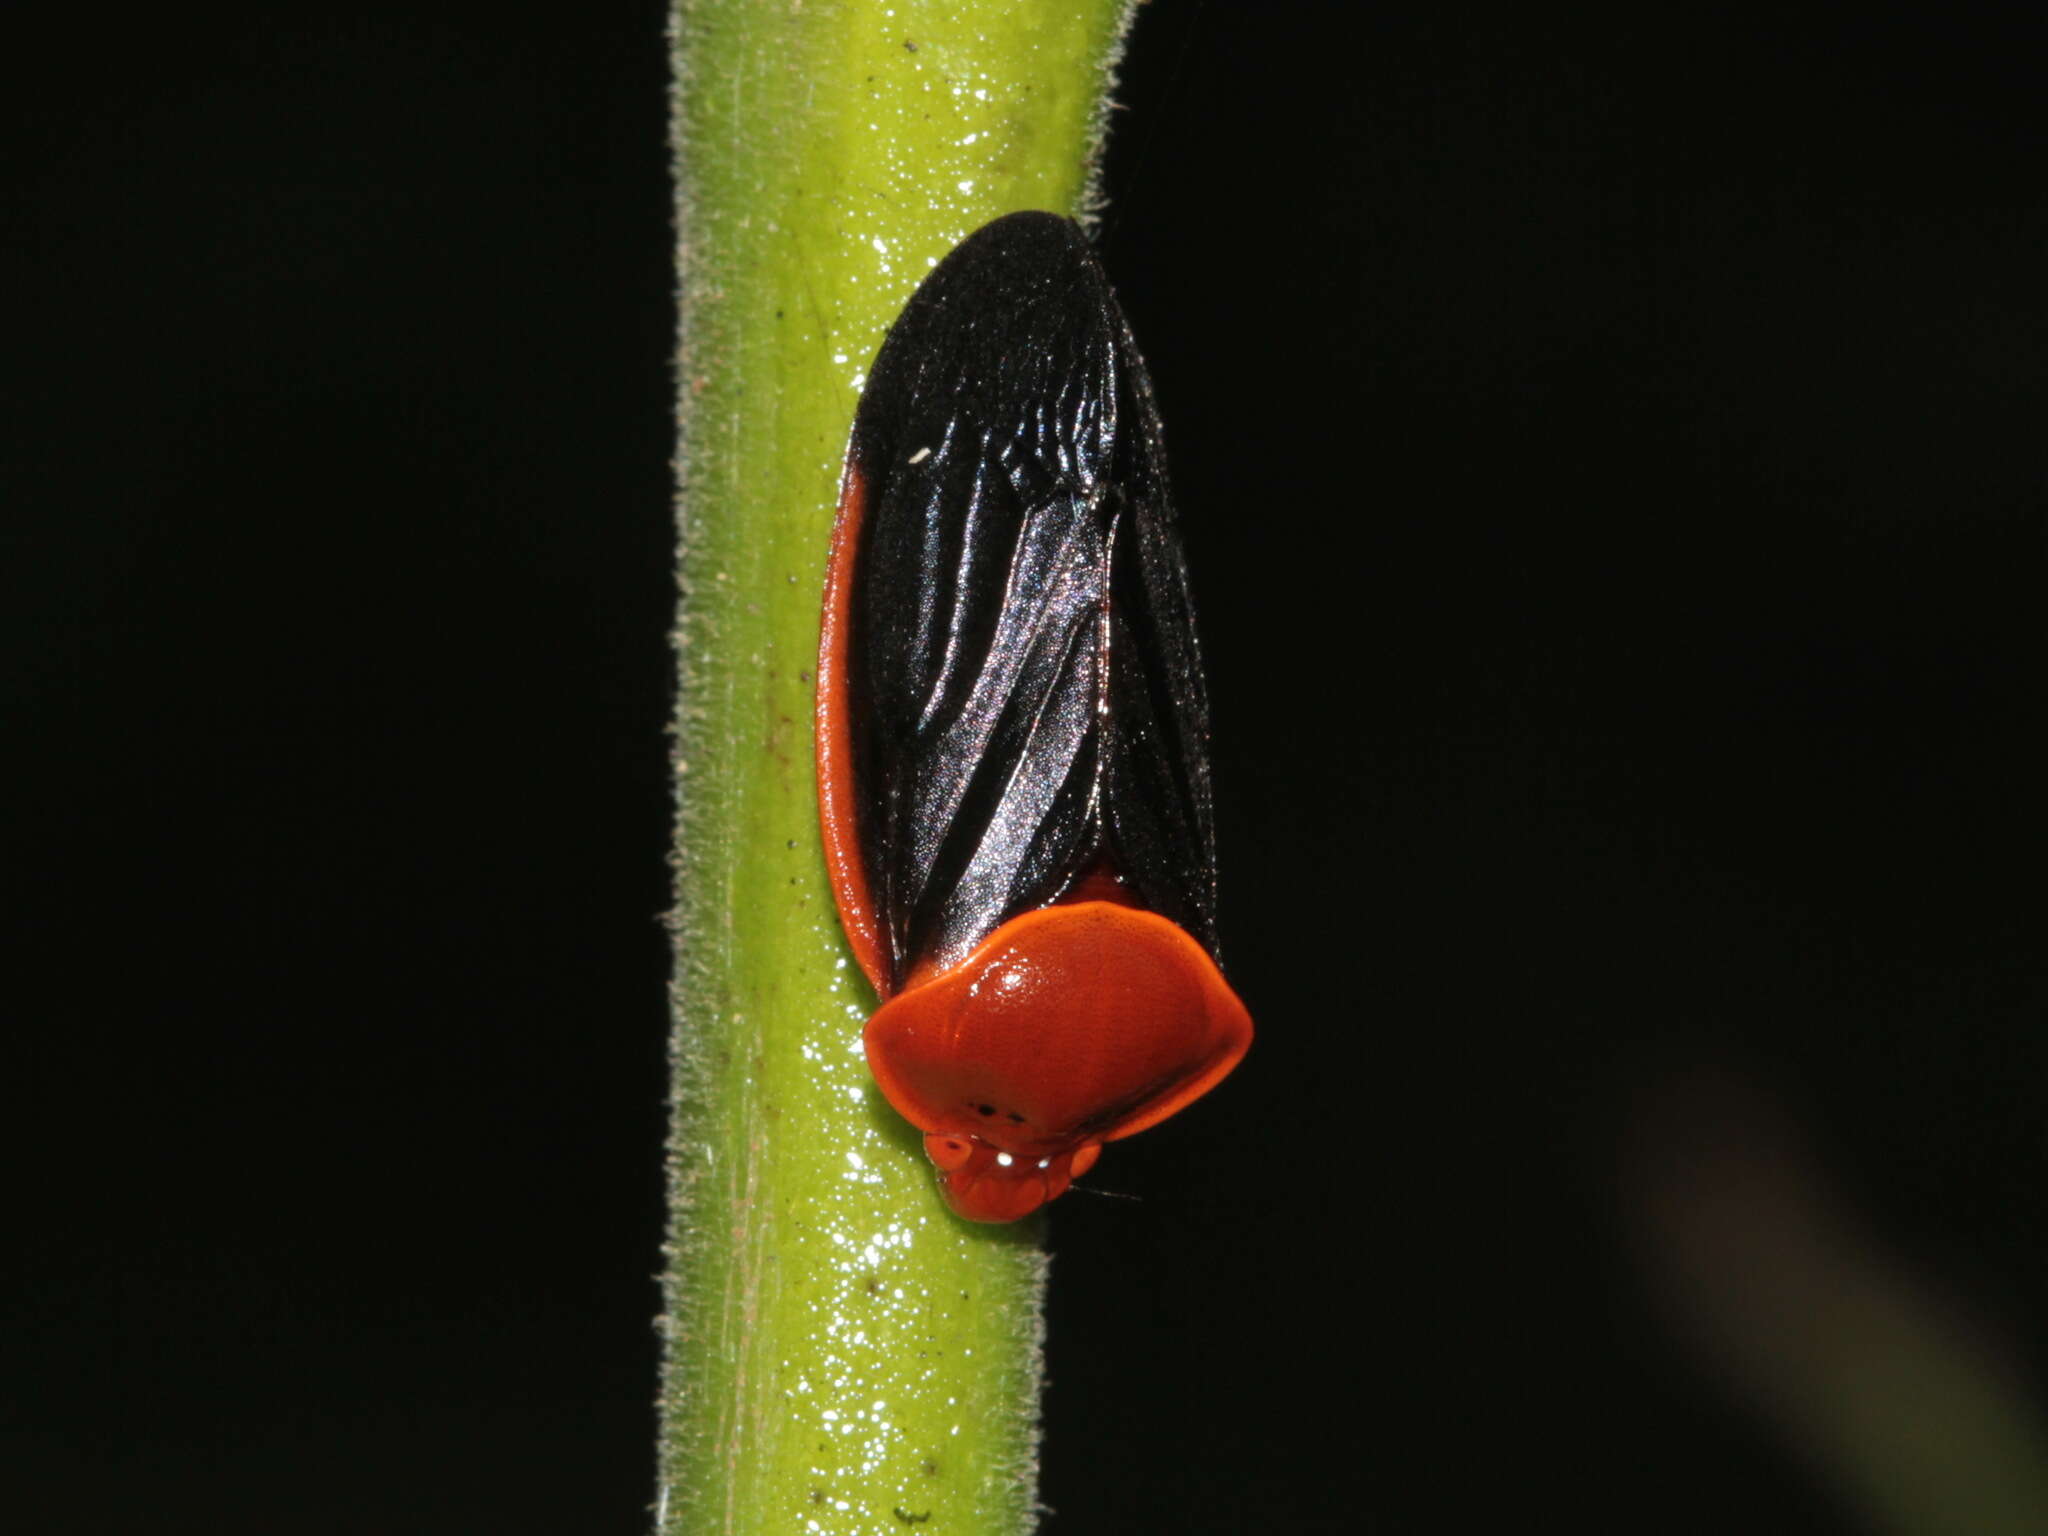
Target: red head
x,y
1067,1027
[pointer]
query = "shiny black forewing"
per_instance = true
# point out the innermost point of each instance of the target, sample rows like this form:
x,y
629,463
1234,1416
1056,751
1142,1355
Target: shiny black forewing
x,y
1024,683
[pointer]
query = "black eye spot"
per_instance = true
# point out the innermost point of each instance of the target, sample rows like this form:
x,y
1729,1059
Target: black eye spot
x,y
985,1109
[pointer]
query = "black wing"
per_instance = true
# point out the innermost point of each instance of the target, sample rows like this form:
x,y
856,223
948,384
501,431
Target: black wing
x,y
1024,684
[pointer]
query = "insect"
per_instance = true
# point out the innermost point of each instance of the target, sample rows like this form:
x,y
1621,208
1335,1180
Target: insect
x,y
1012,730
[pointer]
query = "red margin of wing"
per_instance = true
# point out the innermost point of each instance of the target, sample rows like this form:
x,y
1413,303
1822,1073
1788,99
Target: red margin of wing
x,y
838,815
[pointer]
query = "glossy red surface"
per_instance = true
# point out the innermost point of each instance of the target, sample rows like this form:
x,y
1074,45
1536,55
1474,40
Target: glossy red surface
x,y
1069,1026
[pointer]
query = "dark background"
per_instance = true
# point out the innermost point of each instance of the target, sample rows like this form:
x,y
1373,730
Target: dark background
x,y
1614,476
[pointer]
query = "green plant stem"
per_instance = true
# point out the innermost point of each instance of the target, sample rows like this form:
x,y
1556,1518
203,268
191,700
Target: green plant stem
x,y
843,1354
